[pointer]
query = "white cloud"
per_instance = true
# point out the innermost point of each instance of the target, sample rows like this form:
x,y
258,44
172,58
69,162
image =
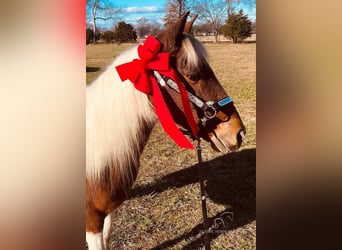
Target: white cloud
x,y
146,9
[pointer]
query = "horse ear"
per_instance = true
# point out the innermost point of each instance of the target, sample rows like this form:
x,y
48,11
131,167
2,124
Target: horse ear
x,y
180,25
171,38
189,24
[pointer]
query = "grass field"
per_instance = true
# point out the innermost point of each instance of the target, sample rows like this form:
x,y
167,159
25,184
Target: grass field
x,y
163,211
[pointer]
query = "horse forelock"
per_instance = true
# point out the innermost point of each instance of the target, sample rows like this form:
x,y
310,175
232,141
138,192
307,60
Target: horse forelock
x,y
117,117
192,55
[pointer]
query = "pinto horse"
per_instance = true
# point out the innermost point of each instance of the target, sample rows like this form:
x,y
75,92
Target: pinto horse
x,y
120,118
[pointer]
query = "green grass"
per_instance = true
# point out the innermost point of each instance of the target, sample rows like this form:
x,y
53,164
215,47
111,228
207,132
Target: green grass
x,y
164,211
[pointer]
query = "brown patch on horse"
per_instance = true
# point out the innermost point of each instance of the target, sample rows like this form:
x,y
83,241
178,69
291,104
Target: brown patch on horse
x,y
101,200
106,195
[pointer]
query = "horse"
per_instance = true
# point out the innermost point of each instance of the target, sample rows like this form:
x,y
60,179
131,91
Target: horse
x,y
119,119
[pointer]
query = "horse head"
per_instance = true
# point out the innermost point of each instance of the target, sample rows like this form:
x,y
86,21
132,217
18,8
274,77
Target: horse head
x,y
188,58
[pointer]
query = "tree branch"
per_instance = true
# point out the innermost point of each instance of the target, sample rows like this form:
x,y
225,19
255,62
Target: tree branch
x,y
104,18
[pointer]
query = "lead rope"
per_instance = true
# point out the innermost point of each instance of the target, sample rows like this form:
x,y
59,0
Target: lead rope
x,y
203,195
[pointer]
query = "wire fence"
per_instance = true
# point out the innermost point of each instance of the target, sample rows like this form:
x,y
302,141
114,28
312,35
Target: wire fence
x,y
222,38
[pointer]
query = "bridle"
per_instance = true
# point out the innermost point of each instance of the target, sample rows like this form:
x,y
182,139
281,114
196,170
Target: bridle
x,y
209,108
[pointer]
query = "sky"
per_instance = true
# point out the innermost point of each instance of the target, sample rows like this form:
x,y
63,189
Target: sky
x,y
153,10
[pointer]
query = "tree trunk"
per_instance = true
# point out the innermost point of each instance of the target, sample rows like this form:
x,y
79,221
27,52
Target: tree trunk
x,y
94,30
216,37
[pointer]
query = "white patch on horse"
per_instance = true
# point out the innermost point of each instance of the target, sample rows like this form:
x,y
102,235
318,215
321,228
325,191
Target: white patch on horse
x,y
107,229
94,241
115,114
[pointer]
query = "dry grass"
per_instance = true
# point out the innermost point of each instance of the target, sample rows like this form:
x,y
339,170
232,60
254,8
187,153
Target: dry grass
x,y
100,55
163,211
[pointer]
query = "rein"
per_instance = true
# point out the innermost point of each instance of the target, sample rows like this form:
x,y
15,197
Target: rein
x,y
210,109
203,195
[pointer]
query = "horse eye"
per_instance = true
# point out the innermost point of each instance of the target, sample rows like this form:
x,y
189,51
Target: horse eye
x,y
194,77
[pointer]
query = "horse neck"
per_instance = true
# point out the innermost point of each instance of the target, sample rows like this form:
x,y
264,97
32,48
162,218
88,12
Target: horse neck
x,y
119,120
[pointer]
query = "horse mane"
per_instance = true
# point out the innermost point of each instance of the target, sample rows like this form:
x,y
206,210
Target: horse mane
x,y
117,116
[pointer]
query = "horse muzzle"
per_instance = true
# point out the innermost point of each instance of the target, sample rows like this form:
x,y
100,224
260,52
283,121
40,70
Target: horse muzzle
x,y
226,137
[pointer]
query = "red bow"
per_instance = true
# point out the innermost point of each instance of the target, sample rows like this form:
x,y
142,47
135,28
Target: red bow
x,y
140,73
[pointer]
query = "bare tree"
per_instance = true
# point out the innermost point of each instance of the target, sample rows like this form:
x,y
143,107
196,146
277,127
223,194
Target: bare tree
x,y
155,28
143,27
100,10
254,27
230,6
213,12
174,9
202,29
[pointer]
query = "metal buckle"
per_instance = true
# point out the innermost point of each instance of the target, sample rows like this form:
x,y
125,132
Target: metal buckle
x,y
209,113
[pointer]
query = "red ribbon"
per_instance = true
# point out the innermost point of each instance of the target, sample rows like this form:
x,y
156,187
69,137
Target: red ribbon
x,y
140,73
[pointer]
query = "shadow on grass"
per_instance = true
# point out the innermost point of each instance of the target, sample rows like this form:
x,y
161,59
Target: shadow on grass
x,y
92,69
230,182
